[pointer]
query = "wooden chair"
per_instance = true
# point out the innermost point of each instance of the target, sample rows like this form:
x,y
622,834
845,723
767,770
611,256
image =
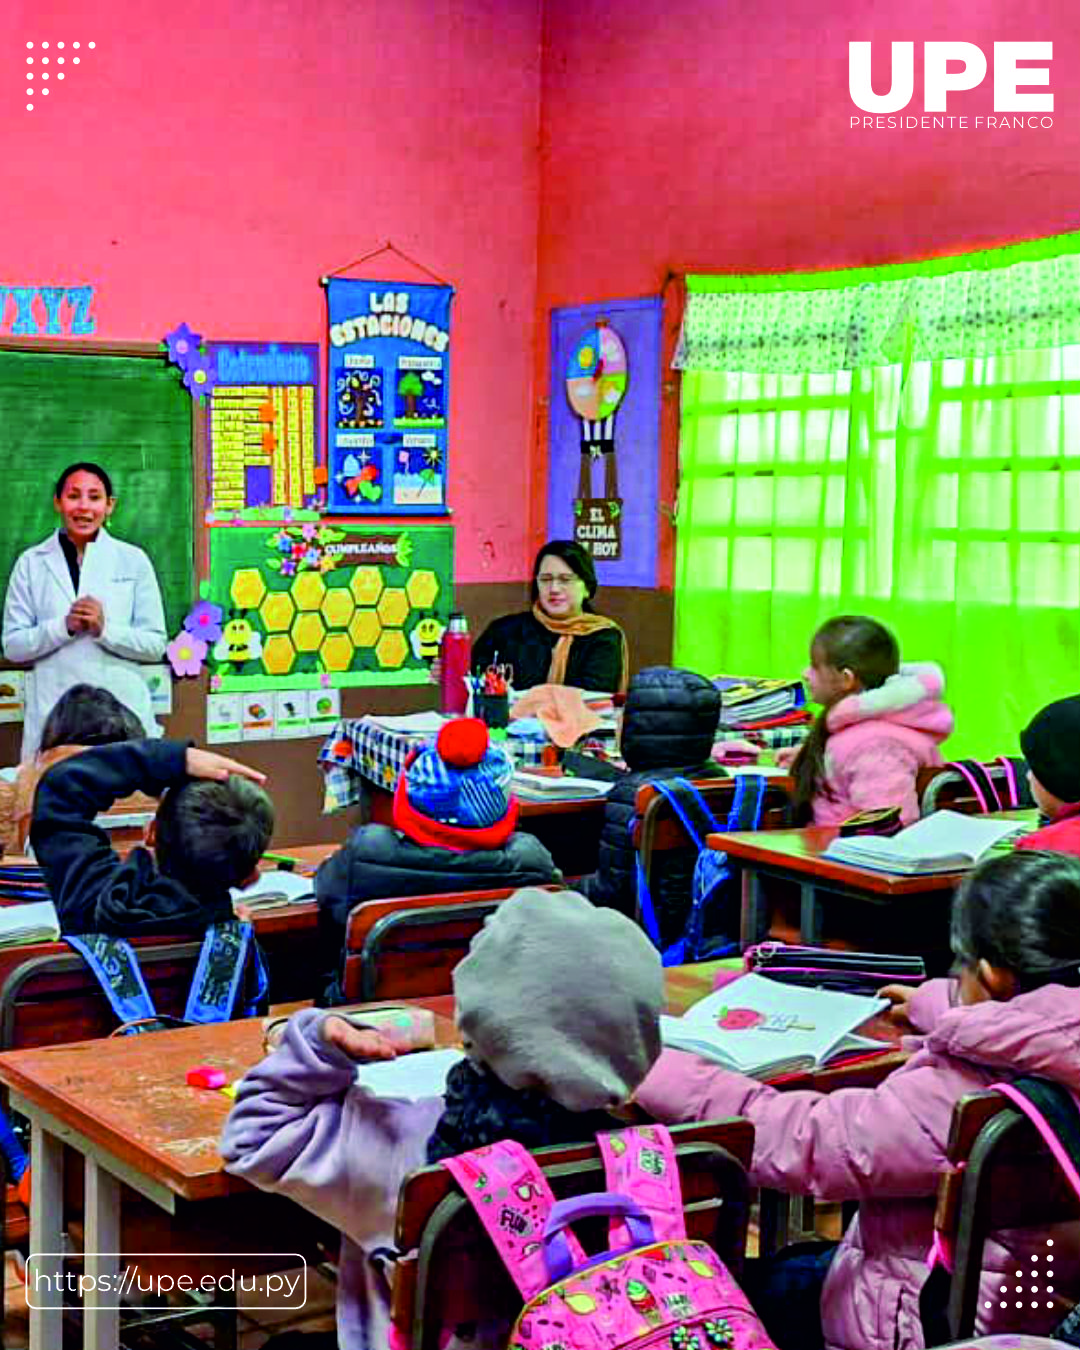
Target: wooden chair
x,y
450,1274
942,788
408,946
1000,1176
659,829
659,833
49,996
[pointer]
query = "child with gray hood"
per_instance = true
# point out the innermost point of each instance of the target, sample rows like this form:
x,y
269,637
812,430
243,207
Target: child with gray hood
x,y
557,1005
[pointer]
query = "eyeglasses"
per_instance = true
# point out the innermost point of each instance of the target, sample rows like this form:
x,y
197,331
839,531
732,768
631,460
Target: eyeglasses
x,y
547,580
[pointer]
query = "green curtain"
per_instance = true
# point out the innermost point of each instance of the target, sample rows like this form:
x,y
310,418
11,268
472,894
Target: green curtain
x,y
941,494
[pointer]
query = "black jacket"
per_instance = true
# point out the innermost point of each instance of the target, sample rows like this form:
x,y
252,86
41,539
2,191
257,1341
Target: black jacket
x,y
93,891
377,862
521,641
668,729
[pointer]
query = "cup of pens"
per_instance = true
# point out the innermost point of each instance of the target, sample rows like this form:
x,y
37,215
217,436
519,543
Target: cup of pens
x,y
491,694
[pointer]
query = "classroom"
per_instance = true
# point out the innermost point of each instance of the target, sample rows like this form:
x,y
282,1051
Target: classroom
x,y
841,336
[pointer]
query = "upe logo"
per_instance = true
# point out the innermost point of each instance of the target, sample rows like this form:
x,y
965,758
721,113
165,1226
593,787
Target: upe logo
x,y
939,81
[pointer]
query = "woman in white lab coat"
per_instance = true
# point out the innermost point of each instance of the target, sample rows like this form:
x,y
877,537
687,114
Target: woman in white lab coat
x,y
83,607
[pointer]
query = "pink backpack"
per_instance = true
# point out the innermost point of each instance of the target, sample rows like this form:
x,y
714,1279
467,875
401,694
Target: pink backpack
x,y
655,1287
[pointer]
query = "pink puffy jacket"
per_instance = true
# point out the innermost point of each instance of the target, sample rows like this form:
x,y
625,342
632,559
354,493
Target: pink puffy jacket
x,y
885,1147
878,741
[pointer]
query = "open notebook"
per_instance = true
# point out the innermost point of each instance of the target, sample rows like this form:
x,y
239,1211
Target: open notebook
x,y
538,787
943,842
275,888
33,922
412,1077
762,1029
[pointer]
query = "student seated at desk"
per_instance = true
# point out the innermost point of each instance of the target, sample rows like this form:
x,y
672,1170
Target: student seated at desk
x,y
1051,745
212,826
880,723
668,728
454,823
1014,1011
558,1006
82,716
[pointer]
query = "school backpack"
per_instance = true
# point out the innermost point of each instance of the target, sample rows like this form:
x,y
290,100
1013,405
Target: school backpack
x,y
1008,792
715,900
222,987
655,1287
1053,1112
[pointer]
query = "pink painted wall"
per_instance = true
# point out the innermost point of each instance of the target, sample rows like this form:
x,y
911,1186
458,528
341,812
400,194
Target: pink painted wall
x,y
208,162
713,136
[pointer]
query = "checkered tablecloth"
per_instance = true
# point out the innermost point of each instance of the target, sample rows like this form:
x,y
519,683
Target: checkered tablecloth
x,y
359,751
770,738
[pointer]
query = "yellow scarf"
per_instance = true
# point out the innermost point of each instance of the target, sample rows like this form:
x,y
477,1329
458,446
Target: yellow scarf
x,y
579,626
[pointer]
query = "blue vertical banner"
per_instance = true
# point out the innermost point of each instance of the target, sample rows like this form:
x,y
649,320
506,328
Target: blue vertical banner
x,y
604,435
388,369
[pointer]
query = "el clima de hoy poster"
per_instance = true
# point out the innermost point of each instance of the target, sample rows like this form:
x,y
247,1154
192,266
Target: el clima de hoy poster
x,y
388,372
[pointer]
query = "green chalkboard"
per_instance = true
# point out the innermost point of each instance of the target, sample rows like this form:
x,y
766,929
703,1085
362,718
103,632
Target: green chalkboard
x,y
131,415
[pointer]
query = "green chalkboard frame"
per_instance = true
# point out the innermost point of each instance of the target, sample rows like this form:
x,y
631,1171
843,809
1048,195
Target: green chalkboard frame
x,y
123,406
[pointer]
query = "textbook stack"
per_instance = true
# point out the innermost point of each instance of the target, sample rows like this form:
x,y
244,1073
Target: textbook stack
x,y
749,701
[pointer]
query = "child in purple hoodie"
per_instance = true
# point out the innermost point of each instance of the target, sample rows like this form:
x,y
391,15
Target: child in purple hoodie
x,y
880,723
558,1008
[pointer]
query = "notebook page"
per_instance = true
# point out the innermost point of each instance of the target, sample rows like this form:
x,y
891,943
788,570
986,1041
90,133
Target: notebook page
x,y
755,1022
410,1076
940,835
275,885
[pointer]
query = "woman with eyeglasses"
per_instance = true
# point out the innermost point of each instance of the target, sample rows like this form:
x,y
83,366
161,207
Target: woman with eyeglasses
x,y
560,640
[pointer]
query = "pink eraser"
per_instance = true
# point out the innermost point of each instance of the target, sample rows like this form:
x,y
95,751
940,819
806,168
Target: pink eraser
x,y
207,1077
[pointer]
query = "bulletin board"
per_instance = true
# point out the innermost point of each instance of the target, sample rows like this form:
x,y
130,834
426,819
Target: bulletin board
x,y
130,414
329,604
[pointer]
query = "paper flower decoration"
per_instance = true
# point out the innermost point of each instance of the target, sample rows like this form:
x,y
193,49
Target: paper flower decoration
x,y
199,375
204,621
186,653
182,345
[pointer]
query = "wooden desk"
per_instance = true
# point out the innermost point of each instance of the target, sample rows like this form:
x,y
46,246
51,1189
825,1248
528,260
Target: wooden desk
x,y
796,856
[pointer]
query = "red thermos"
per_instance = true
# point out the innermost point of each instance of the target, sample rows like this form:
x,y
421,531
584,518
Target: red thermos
x,y
455,658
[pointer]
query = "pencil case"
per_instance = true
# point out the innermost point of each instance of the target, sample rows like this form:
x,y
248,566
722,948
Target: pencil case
x,y
824,968
405,1028
885,820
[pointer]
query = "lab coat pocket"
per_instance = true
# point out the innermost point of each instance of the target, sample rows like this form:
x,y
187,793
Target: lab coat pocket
x,y
119,599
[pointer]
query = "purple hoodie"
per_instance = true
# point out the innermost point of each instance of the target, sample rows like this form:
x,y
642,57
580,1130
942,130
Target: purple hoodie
x,y
302,1127
878,741
885,1147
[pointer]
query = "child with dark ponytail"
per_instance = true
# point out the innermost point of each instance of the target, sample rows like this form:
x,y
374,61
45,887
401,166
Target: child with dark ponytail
x,y
880,723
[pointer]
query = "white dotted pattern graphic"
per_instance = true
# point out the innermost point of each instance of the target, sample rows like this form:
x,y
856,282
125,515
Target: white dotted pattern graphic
x,y
31,75
1042,1283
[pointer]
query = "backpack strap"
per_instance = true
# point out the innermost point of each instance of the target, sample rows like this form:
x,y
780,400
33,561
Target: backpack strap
x,y
641,1163
117,970
1053,1112
748,803
506,1186
1012,782
222,962
980,782
671,791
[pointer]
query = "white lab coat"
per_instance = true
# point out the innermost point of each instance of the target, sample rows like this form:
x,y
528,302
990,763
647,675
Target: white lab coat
x,y
39,596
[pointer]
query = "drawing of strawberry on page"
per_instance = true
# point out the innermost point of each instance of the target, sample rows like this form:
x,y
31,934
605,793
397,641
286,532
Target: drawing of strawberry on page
x,y
749,1019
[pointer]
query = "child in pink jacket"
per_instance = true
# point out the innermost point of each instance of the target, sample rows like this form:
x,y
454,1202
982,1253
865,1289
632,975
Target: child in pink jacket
x,y
1014,1011
880,723
558,1006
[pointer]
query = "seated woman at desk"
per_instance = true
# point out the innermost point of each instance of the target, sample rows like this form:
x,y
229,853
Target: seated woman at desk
x,y
560,640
